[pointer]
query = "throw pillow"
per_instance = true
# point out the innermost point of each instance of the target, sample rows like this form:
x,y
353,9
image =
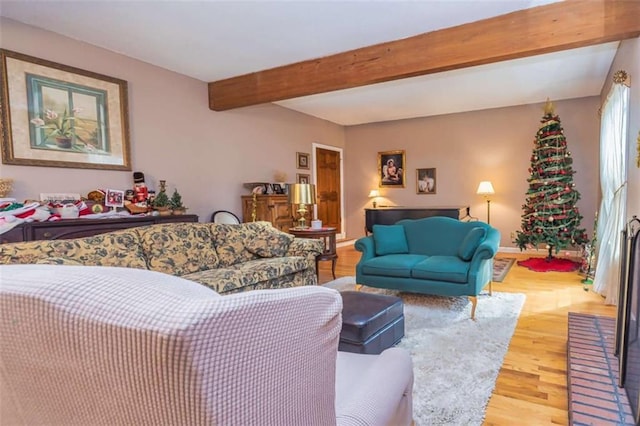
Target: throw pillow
x,y
471,243
269,243
390,239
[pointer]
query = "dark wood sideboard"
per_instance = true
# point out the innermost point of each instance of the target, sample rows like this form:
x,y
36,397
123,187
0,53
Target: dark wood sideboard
x,y
390,215
76,228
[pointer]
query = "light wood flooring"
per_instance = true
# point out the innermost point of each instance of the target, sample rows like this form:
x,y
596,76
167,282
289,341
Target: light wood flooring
x,y
531,388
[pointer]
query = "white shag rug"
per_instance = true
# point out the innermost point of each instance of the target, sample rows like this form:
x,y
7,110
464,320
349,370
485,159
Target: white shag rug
x,y
455,360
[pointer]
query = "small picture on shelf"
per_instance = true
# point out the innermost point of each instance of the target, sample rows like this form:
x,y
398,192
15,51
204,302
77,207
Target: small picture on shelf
x,y
277,188
303,178
114,198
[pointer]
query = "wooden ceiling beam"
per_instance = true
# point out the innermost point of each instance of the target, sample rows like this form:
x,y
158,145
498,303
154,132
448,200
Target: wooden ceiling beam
x,y
544,29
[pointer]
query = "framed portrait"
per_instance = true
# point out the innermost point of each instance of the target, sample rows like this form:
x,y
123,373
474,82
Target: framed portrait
x,y
426,181
59,116
303,178
302,160
114,198
277,188
391,169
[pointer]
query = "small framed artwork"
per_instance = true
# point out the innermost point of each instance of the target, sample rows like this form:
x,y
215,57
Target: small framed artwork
x,y
302,160
426,181
114,198
391,165
303,178
277,188
55,115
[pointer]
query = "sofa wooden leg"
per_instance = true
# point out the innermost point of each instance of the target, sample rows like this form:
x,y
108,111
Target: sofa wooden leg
x,y
474,302
358,287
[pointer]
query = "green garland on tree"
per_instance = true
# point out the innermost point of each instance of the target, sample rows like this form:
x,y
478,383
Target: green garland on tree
x,y
550,215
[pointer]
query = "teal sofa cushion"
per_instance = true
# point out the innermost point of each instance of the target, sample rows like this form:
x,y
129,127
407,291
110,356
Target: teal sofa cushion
x,y
442,268
471,243
390,239
392,265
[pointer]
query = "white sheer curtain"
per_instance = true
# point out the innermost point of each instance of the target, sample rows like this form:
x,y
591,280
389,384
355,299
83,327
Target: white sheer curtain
x,y
613,182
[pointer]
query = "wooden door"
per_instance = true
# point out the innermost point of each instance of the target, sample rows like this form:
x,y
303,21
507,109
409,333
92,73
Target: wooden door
x,y
328,187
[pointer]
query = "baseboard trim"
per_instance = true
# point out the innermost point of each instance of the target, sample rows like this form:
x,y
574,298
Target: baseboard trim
x,y
345,243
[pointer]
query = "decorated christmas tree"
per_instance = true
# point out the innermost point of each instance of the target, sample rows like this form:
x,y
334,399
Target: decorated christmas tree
x,y
550,215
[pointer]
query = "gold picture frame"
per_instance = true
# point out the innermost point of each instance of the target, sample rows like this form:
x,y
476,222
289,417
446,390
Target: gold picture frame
x,y
303,160
303,178
54,115
638,151
391,169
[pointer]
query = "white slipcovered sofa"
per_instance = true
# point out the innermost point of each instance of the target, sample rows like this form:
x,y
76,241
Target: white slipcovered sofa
x,y
105,345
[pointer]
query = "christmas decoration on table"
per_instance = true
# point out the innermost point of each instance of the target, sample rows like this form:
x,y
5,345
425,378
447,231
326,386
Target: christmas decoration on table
x,y
161,202
138,199
550,214
176,203
140,188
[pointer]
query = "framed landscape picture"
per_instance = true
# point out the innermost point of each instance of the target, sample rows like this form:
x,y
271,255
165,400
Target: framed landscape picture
x,y
391,165
59,116
426,181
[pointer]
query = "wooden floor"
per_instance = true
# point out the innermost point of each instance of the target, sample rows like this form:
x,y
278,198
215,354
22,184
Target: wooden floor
x,y
532,385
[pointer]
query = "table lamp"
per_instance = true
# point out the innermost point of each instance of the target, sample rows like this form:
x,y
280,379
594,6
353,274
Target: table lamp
x,y
301,194
374,193
485,188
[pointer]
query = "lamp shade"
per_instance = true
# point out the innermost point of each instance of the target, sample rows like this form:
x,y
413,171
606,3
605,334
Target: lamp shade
x,y
485,188
374,193
302,193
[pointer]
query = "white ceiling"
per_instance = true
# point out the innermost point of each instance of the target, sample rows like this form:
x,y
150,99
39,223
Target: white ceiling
x,y
213,40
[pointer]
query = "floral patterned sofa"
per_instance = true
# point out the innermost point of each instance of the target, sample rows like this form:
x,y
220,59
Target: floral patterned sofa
x,y
226,258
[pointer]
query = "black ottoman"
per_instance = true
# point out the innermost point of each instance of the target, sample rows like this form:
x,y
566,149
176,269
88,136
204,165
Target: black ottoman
x,y
371,323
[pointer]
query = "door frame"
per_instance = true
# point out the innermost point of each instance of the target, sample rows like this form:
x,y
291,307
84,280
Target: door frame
x,y
314,145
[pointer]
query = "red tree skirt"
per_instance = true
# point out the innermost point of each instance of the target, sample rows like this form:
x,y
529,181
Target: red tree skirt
x,y
541,264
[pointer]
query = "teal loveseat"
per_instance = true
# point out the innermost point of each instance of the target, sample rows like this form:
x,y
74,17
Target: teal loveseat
x,y
435,255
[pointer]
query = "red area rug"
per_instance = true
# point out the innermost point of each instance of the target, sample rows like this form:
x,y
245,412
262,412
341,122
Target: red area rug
x,y
541,264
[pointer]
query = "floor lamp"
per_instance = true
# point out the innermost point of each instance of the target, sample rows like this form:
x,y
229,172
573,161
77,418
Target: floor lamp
x,y
485,188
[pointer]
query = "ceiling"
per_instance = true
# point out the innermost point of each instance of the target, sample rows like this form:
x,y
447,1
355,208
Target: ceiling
x,y
214,40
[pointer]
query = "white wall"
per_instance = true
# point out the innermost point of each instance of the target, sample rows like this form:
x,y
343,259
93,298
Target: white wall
x,y
207,155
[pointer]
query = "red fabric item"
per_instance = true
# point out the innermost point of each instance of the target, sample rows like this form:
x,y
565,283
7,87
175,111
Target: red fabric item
x,y
541,264
26,214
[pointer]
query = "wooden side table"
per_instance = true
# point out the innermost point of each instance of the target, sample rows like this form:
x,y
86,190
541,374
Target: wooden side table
x,y
328,236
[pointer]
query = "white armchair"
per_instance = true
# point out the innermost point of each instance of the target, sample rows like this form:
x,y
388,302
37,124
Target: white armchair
x,y
103,345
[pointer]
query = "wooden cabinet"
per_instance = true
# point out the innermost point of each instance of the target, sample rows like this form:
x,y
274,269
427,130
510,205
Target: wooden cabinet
x,y
14,235
77,228
271,208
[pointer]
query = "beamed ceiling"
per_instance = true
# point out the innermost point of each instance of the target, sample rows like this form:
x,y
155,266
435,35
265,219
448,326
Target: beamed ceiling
x,y
543,29
399,59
